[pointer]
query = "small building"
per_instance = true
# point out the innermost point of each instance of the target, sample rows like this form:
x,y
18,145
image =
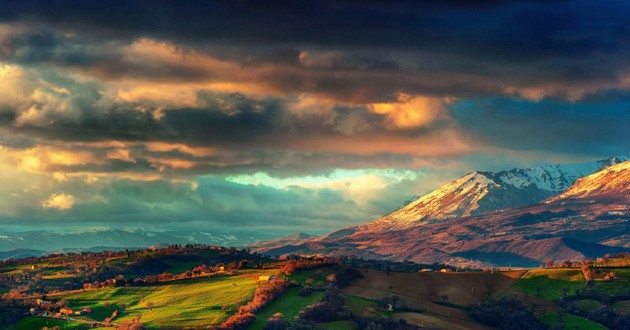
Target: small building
x,y
445,270
266,278
66,311
221,269
425,270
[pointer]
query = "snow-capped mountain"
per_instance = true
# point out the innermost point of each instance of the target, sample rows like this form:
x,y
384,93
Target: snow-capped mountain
x,y
588,220
480,192
610,182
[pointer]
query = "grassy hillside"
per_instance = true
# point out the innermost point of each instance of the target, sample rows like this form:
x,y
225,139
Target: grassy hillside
x,y
572,322
551,283
32,323
183,304
424,291
337,325
290,304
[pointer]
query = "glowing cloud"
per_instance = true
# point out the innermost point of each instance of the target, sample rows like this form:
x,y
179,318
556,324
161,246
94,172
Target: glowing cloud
x,y
59,201
411,111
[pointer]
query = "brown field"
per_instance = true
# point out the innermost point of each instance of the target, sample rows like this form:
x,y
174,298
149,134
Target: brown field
x,y
422,290
439,322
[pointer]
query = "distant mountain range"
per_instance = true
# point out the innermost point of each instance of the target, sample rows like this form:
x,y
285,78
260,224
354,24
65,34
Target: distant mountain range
x,y
36,243
517,217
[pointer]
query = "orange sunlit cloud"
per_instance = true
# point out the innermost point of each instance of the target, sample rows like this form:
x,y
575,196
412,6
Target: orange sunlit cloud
x,y
411,111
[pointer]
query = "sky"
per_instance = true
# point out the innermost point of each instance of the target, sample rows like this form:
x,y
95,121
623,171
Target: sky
x,y
285,116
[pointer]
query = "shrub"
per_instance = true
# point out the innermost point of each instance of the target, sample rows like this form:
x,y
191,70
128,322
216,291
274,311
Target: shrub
x,y
506,313
307,291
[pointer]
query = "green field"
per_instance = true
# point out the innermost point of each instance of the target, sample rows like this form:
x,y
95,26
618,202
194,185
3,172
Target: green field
x,y
620,286
549,283
571,322
34,322
363,307
317,275
178,267
290,304
337,325
622,307
588,305
186,303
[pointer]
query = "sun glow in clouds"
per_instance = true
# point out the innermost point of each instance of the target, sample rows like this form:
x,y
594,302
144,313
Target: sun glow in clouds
x,y
411,111
359,186
59,201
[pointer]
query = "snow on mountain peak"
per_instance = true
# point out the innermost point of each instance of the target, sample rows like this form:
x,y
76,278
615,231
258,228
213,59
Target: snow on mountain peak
x,y
479,192
612,180
611,161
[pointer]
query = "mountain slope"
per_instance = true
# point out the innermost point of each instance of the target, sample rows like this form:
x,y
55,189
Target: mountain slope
x,y
480,192
612,182
290,239
577,224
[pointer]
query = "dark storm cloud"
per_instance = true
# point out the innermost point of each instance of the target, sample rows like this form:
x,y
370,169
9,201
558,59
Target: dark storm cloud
x,y
454,48
399,24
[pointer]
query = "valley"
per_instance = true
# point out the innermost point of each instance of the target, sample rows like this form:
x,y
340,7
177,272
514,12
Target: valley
x,y
310,293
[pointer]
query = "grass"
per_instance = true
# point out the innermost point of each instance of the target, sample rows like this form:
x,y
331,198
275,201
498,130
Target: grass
x,y
178,267
187,303
588,305
337,325
318,275
622,307
58,276
34,322
51,271
619,286
360,306
290,304
571,322
549,283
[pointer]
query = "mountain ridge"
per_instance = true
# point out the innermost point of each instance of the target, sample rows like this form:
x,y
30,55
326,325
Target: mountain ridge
x,y
568,226
482,191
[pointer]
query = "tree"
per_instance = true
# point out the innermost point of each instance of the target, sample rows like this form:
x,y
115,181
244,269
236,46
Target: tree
x,y
277,322
549,263
395,300
288,268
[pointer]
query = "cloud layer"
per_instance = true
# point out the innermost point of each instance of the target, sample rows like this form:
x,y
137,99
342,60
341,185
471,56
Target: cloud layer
x,y
147,111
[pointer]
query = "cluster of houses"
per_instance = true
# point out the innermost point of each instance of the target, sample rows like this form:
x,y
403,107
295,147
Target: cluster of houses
x,y
45,306
430,270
